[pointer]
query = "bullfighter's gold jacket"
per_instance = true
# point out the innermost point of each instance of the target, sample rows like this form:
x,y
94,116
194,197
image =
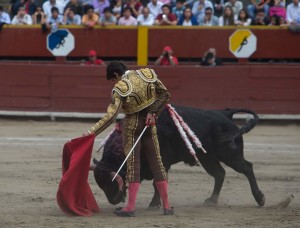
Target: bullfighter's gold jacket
x,y
137,90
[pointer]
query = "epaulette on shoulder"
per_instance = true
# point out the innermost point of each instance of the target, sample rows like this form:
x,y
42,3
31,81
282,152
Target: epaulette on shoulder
x,y
123,87
147,74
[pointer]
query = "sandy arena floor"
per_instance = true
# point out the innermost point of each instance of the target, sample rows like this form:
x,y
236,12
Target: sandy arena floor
x,y
30,170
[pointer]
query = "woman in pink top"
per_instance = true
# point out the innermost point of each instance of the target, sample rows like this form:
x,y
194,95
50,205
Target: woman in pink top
x,y
278,9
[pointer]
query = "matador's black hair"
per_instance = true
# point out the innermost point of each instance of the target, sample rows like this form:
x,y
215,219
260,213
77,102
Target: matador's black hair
x,y
115,67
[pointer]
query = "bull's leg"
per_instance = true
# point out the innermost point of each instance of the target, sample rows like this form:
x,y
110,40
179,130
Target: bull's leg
x,y
155,202
246,168
213,168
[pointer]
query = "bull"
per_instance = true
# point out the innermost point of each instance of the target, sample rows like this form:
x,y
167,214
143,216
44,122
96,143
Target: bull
x,y
220,136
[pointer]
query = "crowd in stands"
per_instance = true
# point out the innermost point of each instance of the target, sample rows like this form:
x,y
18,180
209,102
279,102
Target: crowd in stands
x,y
52,13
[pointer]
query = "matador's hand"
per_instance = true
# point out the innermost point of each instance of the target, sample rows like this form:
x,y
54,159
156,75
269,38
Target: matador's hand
x,y
150,119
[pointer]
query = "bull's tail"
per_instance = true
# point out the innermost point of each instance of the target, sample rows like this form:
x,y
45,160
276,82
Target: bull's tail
x,y
248,126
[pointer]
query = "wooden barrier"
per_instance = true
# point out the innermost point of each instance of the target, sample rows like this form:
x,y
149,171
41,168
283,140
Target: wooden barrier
x,y
266,89
136,42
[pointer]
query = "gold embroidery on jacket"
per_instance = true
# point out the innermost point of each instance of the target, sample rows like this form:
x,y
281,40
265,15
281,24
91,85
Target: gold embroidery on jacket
x,y
142,94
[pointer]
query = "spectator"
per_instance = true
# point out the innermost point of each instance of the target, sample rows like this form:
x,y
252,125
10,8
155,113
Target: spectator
x,y
136,7
210,58
276,20
47,6
117,8
4,17
54,20
22,18
76,5
108,18
93,60
258,5
29,5
85,3
166,17
243,18
178,9
38,17
100,5
145,18
199,8
278,9
228,17
166,2
189,3
293,13
127,18
71,18
260,18
187,19
166,58
208,19
62,2
155,7
235,5
90,18
218,7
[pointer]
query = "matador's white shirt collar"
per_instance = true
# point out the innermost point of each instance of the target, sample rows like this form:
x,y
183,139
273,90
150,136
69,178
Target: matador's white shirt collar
x,y
126,73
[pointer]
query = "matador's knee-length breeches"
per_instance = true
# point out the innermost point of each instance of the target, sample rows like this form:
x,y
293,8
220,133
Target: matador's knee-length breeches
x,y
148,145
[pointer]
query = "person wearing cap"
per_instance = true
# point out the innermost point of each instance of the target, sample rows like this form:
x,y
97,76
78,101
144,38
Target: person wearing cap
x,y
141,96
166,58
93,60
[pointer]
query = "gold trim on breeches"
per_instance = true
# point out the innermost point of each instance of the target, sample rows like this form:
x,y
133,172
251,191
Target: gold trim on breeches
x,y
148,144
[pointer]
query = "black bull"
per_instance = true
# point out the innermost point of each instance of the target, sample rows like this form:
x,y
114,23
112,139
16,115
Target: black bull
x,y
220,136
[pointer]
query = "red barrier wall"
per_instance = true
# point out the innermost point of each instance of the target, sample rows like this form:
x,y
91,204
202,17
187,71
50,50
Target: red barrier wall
x,y
272,42
187,43
266,89
31,42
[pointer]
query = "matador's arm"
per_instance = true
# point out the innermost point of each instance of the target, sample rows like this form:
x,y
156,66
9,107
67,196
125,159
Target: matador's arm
x,y
112,113
163,97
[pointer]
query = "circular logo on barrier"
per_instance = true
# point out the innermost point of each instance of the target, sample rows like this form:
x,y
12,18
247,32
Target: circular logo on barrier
x,y
242,43
61,42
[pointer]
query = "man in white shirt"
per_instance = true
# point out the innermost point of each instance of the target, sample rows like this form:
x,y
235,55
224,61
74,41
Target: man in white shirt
x,y
155,7
293,12
47,6
235,5
54,20
22,18
127,19
4,17
200,6
145,18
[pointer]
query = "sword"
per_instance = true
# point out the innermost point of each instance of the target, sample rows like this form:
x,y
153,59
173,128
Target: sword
x,y
130,151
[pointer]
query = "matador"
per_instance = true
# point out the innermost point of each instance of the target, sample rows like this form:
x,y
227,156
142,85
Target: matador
x,y
141,96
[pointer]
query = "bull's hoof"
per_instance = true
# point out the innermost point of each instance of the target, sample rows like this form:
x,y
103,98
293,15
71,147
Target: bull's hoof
x,y
260,199
210,202
154,205
151,208
121,213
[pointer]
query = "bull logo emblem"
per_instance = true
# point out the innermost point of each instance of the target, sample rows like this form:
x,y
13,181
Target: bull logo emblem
x,y
58,39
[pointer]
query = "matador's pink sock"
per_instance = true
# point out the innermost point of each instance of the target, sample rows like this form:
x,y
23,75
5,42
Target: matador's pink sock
x,y
132,194
162,187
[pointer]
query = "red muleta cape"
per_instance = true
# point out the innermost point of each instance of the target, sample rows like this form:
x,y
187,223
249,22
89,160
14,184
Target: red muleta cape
x,y
74,195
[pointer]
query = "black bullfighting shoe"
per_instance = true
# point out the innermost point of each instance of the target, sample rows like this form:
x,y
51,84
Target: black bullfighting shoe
x,y
169,211
121,213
